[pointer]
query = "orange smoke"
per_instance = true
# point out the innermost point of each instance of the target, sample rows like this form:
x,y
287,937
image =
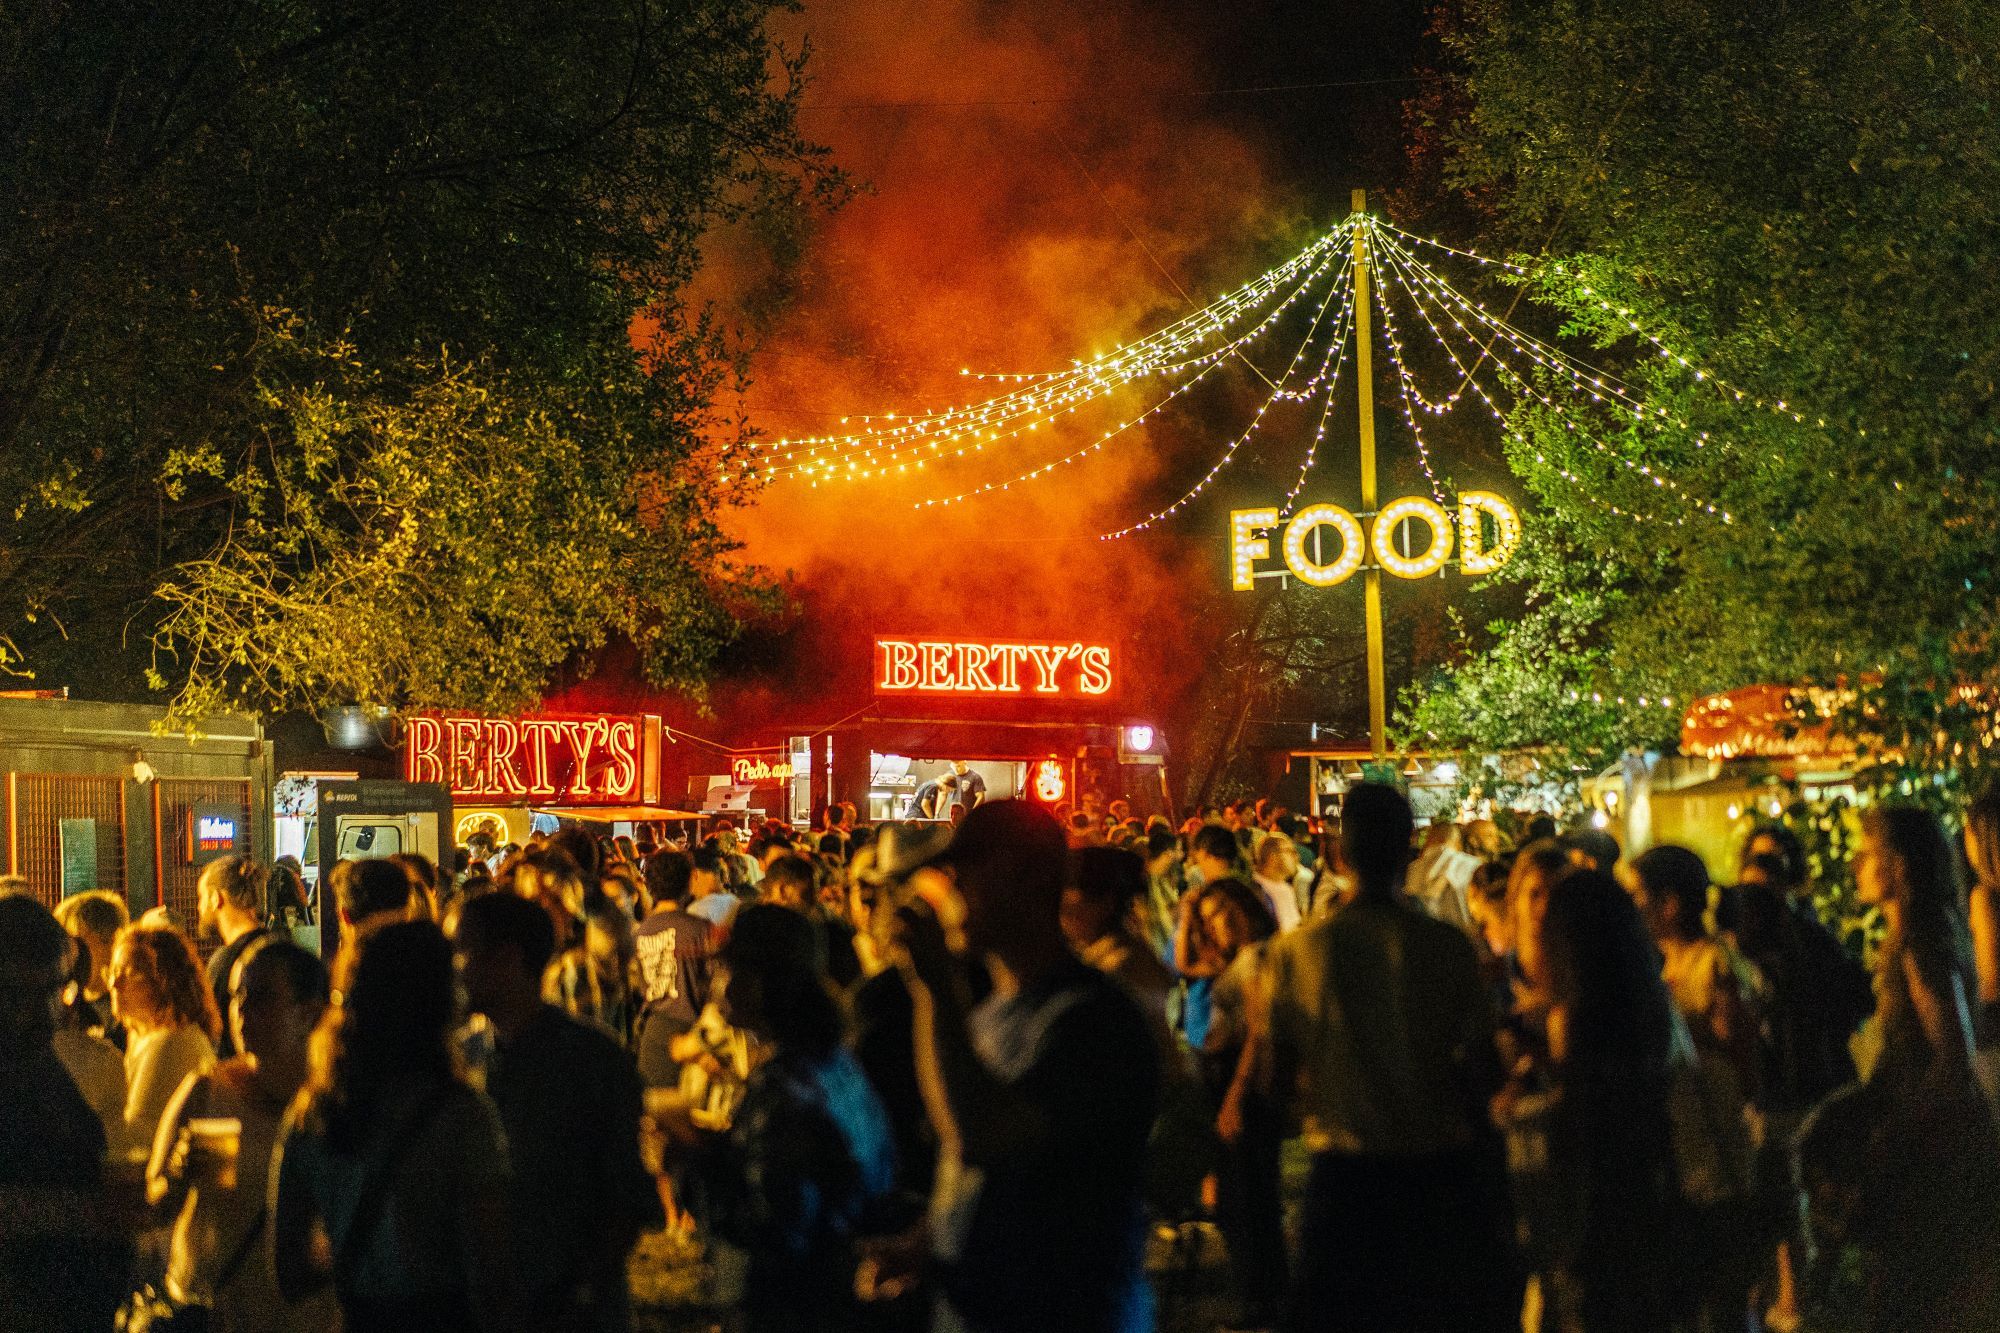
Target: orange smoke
x,y
1006,166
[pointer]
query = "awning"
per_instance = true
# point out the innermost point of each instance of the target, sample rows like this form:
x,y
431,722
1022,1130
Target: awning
x,y
1767,722
618,814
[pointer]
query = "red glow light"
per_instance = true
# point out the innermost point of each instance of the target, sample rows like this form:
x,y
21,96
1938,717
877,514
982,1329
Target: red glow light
x,y
573,759
956,666
1050,782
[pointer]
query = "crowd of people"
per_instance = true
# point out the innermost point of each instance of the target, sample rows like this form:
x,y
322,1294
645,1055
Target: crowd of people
x,y
952,1075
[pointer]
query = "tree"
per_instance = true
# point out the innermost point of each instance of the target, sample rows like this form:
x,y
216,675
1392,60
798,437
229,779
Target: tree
x,y
1803,200
272,272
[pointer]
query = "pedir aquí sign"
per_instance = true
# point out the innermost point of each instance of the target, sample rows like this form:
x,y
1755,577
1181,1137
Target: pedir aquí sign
x,y
992,668
1486,533
548,758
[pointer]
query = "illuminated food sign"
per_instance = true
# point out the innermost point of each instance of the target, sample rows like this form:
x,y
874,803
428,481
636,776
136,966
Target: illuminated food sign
x,y
984,667
546,759
1488,532
1049,781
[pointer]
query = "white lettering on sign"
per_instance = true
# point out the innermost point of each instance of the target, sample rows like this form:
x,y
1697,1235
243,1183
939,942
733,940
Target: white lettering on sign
x,y
1394,540
577,759
955,666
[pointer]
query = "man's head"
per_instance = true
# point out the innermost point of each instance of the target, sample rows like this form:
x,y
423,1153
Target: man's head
x,y
790,882
1593,848
1375,831
34,960
1672,892
232,887
1212,851
1277,857
668,873
1104,883
1120,810
503,945
707,877
583,849
372,890
1008,861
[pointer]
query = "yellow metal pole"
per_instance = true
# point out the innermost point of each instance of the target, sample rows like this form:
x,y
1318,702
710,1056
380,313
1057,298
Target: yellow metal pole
x,y
1371,578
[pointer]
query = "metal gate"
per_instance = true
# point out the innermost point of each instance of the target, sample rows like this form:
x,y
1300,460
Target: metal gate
x,y
62,819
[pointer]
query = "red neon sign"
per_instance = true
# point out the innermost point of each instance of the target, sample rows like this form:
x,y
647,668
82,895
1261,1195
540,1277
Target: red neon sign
x,y
554,758
1049,781
1036,670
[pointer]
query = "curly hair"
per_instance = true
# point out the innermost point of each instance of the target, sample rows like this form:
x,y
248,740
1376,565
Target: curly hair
x,y
174,968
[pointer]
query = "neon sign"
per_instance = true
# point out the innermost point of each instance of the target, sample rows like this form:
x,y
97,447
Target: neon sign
x,y
955,666
1250,533
213,833
554,758
747,770
1049,782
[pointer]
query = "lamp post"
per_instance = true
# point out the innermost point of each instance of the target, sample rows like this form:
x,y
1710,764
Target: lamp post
x,y
1371,577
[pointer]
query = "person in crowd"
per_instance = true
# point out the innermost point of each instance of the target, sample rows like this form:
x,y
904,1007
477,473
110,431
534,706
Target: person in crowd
x,y
675,951
159,993
1925,1219
221,1254
1278,874
1105,886
423,875
290,902
1198,962
1248,1120
229,908
1213,852
1593,848
97,1066
582,849
1717,991
1492,931
590,975
1816,994
367,893
65,1252
881,1004
1982,853
1439,876
94,919
1084,831
1164,884
568,1098
712,900
1588,1110
792,881
808,1158
1378,1019
1043,1096
1720,999
391,1176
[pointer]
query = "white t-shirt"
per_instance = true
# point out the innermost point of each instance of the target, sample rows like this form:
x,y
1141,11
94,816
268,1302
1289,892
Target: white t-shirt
x,y
155,1066
1284,900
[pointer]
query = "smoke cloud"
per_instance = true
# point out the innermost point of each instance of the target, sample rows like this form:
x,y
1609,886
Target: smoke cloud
x,y
1018,161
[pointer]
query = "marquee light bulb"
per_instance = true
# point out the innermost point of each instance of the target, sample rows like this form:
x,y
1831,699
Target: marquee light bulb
x,y
1393,516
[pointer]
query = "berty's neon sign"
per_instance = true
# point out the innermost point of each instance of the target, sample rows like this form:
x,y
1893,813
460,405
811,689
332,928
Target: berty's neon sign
x,y
982,667
557,758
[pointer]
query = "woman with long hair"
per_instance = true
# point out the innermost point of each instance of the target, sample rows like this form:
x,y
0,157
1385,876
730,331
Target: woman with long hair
x,y
221,1255
161,996
1925,1220
391,1173
1249,1207
1589,1110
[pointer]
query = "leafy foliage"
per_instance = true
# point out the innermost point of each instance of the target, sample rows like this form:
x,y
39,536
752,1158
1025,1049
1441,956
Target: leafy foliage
x,y
433,535
459,208
1804,200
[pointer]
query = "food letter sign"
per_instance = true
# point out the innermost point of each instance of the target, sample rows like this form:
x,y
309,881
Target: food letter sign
x,y
547,759
982,667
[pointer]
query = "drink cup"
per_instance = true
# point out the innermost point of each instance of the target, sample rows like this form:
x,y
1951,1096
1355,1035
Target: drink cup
x,y
214,1143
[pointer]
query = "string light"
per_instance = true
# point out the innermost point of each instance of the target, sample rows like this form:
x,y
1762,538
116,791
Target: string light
x,y
1329,365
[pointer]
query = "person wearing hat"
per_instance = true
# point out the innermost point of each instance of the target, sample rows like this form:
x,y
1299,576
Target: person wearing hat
x,y
1043,1094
